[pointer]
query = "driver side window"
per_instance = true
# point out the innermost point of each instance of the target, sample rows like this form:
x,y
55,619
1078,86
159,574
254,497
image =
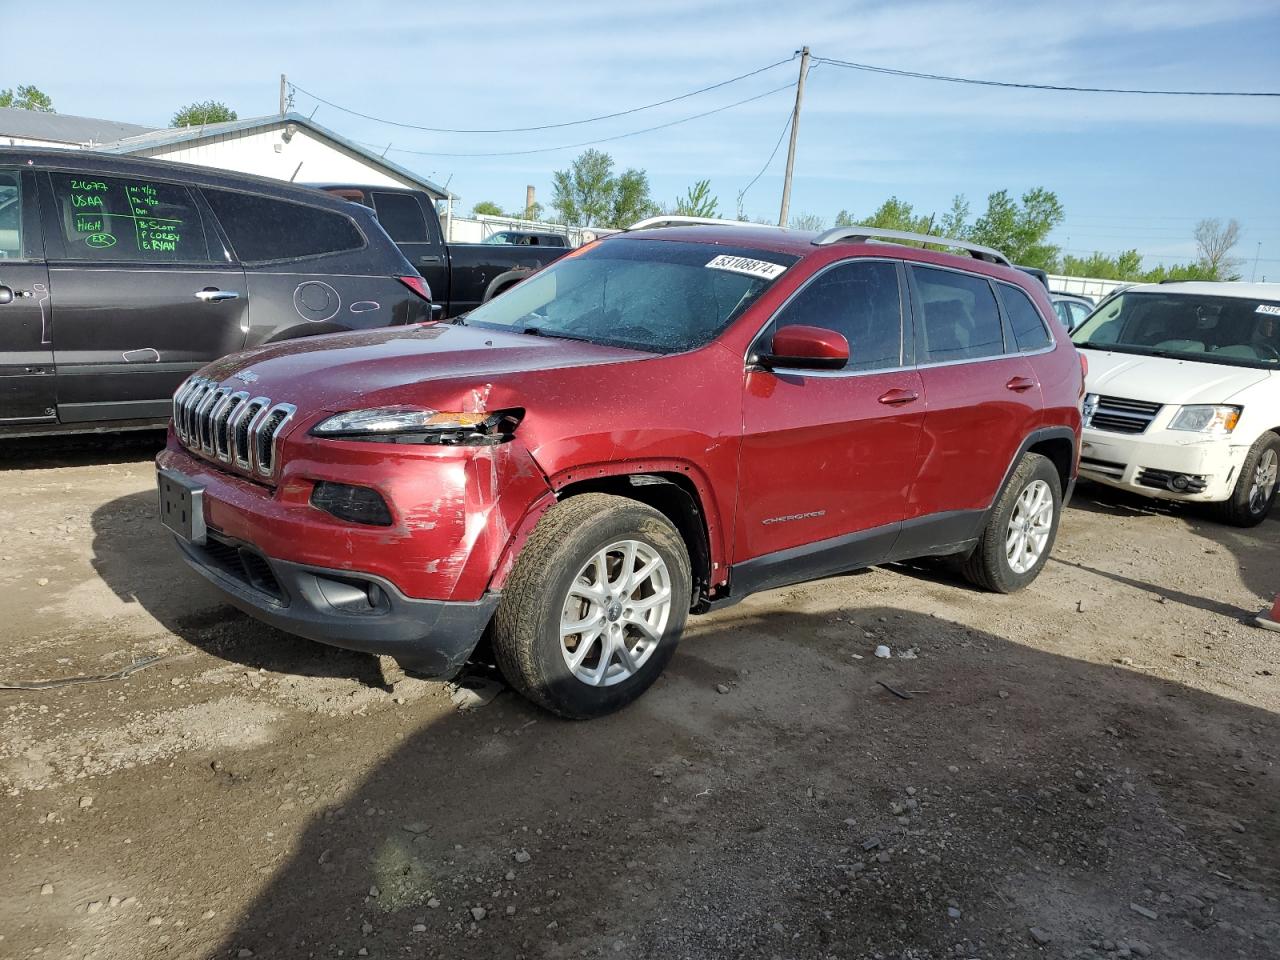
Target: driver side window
x,y
860,300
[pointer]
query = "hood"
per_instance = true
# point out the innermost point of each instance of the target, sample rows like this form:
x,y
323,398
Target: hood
x,y
344,370
1166,381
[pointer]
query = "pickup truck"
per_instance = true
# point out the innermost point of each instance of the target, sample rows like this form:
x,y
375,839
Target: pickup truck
x,y
461,275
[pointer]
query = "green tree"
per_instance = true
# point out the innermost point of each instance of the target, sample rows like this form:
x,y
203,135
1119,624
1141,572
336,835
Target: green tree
x,y
27,98
486,208
588,194
202,112
955,222
698,201
1020,231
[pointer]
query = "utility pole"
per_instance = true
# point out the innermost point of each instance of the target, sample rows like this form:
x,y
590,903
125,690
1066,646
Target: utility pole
x,y
1256,254
791,148
283,85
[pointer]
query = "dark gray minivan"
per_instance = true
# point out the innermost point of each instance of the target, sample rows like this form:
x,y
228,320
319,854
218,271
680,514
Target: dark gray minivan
x,y
120,276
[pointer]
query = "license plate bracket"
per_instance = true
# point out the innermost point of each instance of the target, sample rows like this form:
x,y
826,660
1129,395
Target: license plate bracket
x,y
182,507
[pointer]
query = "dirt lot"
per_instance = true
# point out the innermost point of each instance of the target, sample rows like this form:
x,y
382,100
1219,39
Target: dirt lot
x,y
1088,769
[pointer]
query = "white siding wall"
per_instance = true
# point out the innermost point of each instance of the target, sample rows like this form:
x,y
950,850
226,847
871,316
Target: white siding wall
x,y
264,152
29,142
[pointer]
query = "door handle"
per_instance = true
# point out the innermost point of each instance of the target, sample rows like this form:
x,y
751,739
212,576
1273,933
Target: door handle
x,y
428,258
897,397
214,295
1019,384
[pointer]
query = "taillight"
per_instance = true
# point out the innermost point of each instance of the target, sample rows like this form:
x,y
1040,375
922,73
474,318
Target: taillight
x,y
418,286
1084,372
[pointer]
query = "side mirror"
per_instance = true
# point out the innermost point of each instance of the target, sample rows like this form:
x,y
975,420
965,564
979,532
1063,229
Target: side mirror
x,y
6,295
809,348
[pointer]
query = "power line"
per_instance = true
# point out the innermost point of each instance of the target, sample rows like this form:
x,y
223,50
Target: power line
x,y
785,127
892,71
545,126
589,143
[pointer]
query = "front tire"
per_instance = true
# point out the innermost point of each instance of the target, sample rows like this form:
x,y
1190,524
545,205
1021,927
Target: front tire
x,y
1020,532
594,607
1255,491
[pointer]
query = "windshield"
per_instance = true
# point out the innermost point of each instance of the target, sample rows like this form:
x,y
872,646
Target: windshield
x,y
1231,330
655,295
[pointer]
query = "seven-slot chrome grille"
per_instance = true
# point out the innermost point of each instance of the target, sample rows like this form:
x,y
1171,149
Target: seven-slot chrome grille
x,y
222,423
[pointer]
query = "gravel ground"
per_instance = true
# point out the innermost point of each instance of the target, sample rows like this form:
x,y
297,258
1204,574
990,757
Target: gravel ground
x,y
1087,769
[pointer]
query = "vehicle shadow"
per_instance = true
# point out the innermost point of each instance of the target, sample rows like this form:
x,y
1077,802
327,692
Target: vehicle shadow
x,y
1256,550
137,559
807,811
77,450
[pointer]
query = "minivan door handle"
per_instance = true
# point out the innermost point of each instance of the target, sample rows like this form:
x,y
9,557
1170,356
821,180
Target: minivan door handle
x,y
429,258
898,397
214,295
1019,384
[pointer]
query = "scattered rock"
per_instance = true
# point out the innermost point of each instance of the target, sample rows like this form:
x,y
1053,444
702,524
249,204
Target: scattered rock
x,y
46,889
522,856
511,910
374,892
883,652
415,827
722,688
94,907
113,901
511,875
208,915
478,913
86,803
244,952
474,692
433,904
953,913
1040,936
154,921
419,928
1143,911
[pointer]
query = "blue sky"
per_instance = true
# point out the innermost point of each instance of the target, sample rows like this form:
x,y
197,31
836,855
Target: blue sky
x,y
1130,171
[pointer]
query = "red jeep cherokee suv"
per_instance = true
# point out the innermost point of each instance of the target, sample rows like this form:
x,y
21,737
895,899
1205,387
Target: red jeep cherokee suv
x,y
660,423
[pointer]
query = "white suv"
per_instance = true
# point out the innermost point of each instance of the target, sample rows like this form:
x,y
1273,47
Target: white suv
x,y
1182,398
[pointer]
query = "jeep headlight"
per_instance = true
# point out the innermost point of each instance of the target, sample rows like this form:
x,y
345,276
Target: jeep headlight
x,y
419,425
1206,418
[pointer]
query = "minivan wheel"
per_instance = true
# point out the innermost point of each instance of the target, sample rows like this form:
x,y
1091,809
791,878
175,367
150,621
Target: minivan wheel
x,y
1255,490
594,607
1020,531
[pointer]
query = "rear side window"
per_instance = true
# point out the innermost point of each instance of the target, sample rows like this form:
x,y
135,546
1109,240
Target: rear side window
x,y
400,215
262,228
10,216
1024,319
140,221
959,318
860,300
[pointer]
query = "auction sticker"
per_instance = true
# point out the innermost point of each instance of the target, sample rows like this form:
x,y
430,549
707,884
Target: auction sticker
x,y
1268,308
752,268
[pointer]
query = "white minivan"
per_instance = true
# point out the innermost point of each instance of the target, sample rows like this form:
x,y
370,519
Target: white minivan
x,y
1182,398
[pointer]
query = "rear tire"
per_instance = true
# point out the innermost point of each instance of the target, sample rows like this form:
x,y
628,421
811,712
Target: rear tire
x,y
585,565
1255,491
1021,529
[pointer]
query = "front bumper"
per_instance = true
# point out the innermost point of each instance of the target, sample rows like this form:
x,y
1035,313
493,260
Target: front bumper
x,y
1165,464
343,608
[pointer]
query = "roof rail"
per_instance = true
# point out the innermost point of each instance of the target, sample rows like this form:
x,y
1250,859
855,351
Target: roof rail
x,y
858,234
675,221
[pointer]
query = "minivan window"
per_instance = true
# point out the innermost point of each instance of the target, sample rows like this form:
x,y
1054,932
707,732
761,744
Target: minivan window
x,y
959,318
400,215
263,228
859,300
1239,331
10,216
132,220
1024,319
657,295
